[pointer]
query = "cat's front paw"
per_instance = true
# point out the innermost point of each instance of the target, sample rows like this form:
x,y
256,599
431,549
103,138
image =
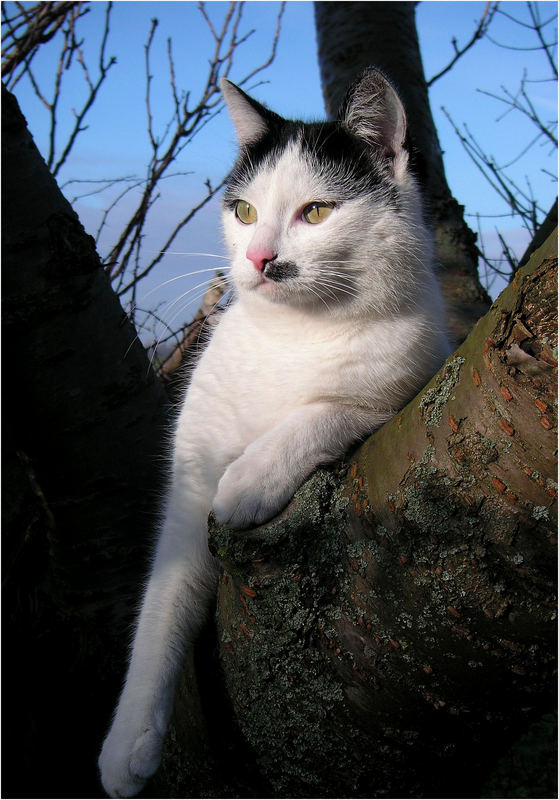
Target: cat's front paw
x,y
128,759
251,491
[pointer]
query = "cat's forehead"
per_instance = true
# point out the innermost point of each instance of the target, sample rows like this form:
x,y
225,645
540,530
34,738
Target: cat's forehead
x,y
311,159
288,173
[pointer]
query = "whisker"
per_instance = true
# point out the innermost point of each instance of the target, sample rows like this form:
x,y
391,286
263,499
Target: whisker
x,y
180,277
178,299
134,340
329,293
179,253
342,273
341,276
207,318
319,297
333,285
320,289
335,261
313,291
197,297
336,284
204,285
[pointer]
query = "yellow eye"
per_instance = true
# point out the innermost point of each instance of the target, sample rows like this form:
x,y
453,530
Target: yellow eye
x,y
317,212
245,212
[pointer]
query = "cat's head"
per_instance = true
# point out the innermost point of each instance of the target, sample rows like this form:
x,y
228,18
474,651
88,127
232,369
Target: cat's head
x,y
326,216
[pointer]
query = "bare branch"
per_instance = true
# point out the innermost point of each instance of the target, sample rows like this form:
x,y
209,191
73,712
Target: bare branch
x,y
517,199
538,27
172,78
104,67
520,201
479,33
274,46
149,78
511,259
522,103
33,27
41,22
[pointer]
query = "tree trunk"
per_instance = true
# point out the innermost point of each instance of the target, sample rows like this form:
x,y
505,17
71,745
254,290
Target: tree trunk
x,y
353,36
83,433
397,622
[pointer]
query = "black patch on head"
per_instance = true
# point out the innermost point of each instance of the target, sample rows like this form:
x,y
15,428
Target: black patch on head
x,y
344,159
280,270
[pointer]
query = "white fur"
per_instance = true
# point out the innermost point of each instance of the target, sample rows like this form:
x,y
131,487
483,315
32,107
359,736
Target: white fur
x,y
294,373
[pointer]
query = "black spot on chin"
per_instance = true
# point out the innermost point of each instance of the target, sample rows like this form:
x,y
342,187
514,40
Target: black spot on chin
x,y
280,270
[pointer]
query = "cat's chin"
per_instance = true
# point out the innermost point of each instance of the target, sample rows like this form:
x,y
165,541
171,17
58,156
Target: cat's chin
x,y
279,294
267,289
270,289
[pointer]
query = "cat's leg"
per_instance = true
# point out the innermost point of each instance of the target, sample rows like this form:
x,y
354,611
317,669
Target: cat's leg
x,y
181,582
258,484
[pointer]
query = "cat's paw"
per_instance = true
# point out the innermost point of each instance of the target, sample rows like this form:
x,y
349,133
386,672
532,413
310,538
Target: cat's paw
x,y
251,491
128,759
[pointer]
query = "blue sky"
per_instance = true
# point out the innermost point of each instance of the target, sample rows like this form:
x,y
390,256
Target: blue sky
x,y
116,142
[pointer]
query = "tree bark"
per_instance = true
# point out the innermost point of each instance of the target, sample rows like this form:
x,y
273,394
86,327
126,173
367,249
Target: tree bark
x,y
397,621
353,36
83,432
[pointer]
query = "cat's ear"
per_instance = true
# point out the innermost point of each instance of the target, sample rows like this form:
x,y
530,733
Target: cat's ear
x,y
373,111
251,119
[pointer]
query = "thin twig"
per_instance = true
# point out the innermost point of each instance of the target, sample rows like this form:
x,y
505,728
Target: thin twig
x,y
479,33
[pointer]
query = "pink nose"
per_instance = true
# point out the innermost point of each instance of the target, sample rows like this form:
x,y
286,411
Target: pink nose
x,y
260,254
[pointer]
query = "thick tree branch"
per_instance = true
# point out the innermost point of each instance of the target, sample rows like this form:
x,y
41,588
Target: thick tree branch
x,y
82,475
397,621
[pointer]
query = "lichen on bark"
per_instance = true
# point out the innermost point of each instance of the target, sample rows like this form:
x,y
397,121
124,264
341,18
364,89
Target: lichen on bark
x,y
271,610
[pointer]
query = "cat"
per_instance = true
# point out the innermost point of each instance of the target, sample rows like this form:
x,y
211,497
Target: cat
x,y
337,322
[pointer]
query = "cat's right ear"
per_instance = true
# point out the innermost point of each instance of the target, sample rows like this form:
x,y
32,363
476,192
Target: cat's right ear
x,y
373,111
251,119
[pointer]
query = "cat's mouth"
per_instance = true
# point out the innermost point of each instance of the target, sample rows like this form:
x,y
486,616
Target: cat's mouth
x,y
268,287
274,278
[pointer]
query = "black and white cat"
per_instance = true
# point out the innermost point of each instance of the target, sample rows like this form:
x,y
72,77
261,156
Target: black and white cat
x,y
337,322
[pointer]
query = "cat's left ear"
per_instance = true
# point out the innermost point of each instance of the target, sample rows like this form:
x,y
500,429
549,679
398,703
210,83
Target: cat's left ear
x,y
251,119
373,111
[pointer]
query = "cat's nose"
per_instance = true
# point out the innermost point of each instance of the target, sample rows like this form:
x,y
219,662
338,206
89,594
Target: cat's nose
x,y
260,254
